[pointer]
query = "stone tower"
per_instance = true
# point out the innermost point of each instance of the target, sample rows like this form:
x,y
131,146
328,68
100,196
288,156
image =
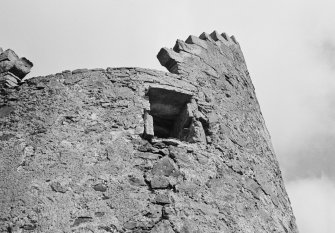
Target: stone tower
x,y
139,150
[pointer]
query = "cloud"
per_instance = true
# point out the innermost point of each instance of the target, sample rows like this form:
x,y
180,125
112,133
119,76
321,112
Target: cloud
x,y
312,157
297,97
307,147
313,202
327,50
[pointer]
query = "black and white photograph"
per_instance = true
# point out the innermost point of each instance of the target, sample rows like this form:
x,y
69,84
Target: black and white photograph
x,y
152,116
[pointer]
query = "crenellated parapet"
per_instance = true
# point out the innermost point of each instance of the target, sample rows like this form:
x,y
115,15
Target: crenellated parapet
x,y
13,68
214,53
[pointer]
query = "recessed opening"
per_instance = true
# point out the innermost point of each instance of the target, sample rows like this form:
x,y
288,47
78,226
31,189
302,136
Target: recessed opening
x,y
168,108
162,127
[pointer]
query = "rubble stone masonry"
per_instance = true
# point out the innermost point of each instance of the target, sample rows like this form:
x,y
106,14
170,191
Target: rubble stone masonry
x,y
139,150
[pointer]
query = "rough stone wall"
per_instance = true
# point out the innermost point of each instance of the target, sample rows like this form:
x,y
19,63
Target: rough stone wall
x,y
138,150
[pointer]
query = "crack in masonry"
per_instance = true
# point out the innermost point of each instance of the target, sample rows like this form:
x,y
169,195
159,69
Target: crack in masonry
x,y
232,168
228,80
260,186
161,218
173,226
241,173
148,183
208,74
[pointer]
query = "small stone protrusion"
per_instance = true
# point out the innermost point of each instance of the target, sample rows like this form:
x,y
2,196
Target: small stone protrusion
x,y
100,187
163,227
225,35
205,36
162,199
196,40
165,167
234,39
80,71
8,79
180,45
216,36
58,187
159,182
12,68
169,59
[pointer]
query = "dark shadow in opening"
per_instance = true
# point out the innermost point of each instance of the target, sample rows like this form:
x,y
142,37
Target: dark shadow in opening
x,y
168,108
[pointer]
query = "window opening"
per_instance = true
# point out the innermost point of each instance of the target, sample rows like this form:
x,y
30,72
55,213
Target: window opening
x,y
170,114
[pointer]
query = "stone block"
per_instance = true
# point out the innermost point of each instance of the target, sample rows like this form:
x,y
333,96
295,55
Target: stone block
x,y
57,187
100,187
10,62
162,227
79,71
196,133
205,36
148,125
162,199
216,36
9,80
169,59
8,55
160,182
165,167
196,40
137,180
147,155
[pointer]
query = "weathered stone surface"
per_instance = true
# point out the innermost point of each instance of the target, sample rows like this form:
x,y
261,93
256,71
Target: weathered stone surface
x,y
8,79
159,182
12,68
163,227
57,187
165,167
77,153
162,199
148,125
100,187
147,155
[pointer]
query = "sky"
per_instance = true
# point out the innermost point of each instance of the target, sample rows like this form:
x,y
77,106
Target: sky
x,y
289,46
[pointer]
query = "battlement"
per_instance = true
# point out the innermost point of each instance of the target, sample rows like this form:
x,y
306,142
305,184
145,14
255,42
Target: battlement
x,y
13,68
183,52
